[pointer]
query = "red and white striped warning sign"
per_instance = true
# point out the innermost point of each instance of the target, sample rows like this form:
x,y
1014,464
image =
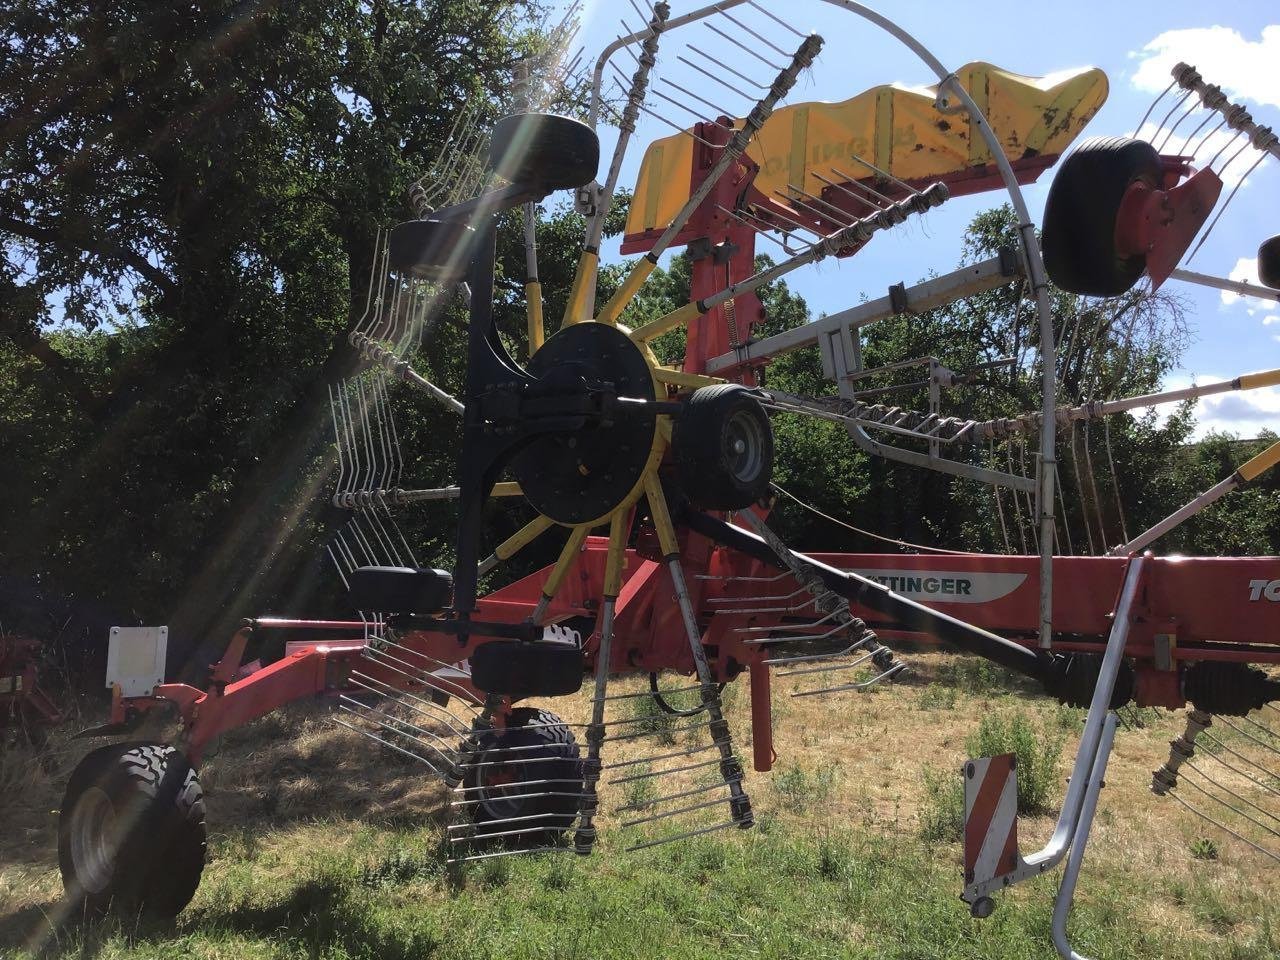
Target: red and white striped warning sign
x,y
990,818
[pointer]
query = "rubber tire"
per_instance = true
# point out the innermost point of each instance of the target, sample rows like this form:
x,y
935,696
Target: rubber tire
x,y
420,590
544,152
1079,234
158,864
700,448
1269,262
513,668
562,763
435,250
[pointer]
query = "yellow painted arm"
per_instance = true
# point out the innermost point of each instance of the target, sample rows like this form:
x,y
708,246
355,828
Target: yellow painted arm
x,y
1260,464
533,300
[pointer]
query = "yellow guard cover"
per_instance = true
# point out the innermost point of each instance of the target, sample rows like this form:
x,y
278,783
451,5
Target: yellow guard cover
x,y
896,128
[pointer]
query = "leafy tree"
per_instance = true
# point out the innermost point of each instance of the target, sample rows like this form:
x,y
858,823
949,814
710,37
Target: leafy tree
x,y
1107,348
189,205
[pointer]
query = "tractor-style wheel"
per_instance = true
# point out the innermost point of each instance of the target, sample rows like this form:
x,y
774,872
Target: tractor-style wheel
x,y
131,832
723,448
536,753
1079,235
544,152
1269,262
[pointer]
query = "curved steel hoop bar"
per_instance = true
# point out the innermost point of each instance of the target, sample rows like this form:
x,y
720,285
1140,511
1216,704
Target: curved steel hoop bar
x,y
948,87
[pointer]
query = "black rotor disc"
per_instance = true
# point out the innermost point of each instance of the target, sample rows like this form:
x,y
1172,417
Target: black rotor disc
x,y
576,477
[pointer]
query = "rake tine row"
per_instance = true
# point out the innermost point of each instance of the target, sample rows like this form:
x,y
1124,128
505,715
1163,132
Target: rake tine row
x,y
386,743
645,733
1166,781
658,801
426,676
789,596
800,638
645,693
668,814
523,783
683,836
479,764
713,745
863,640
511,819
813,625
483,834
393,725
851,664
539,795
493,854
407,700
425,679
632,778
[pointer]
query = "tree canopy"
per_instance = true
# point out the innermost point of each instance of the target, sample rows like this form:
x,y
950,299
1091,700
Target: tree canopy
x,y
190,198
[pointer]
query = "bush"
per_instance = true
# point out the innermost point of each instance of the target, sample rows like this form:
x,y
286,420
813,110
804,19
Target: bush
x,y
1203,848
798,787
651,719
973,676
942,813
1038,748
935,696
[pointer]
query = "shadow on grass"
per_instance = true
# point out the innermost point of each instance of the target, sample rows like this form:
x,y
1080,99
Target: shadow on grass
x,y
292,767
968,674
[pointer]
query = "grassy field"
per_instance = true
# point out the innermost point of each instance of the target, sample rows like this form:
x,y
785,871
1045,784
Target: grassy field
x,y
323,848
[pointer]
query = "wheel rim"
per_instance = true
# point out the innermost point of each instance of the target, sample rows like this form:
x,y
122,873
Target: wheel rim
x,y
501,786
744,441
94,839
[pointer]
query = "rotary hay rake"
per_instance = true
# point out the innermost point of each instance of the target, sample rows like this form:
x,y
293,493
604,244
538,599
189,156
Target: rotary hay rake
x,y
674,464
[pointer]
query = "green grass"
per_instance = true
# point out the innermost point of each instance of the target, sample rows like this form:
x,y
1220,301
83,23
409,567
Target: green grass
x,y
854,854
942,813
800,789
846,894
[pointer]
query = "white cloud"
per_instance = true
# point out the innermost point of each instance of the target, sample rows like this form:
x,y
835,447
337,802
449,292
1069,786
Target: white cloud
x,y
1244,413
1271,319
1244,68
1246,269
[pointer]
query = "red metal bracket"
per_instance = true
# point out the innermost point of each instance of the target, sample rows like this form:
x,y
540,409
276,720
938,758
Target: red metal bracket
x,y
1160,224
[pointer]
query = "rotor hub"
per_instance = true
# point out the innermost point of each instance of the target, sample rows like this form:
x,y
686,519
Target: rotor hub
x,y
584,472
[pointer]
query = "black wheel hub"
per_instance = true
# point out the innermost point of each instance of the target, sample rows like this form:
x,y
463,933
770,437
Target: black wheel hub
x,y
582,474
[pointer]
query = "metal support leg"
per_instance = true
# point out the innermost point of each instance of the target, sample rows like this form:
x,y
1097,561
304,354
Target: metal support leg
x,y
1095,744
585,836
1071,873
730,768
468,751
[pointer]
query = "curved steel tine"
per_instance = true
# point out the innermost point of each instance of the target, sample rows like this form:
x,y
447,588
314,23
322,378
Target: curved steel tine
x,y
742,46
1163,94
895,668
680,795
737,73
493,854
689,93
682,836
1195,105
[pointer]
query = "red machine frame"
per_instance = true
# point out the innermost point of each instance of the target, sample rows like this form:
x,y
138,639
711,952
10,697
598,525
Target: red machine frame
x,y
21,698
1179,621
1180,612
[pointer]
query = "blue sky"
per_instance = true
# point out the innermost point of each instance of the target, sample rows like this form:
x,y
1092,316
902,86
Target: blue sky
x,y
1236,45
